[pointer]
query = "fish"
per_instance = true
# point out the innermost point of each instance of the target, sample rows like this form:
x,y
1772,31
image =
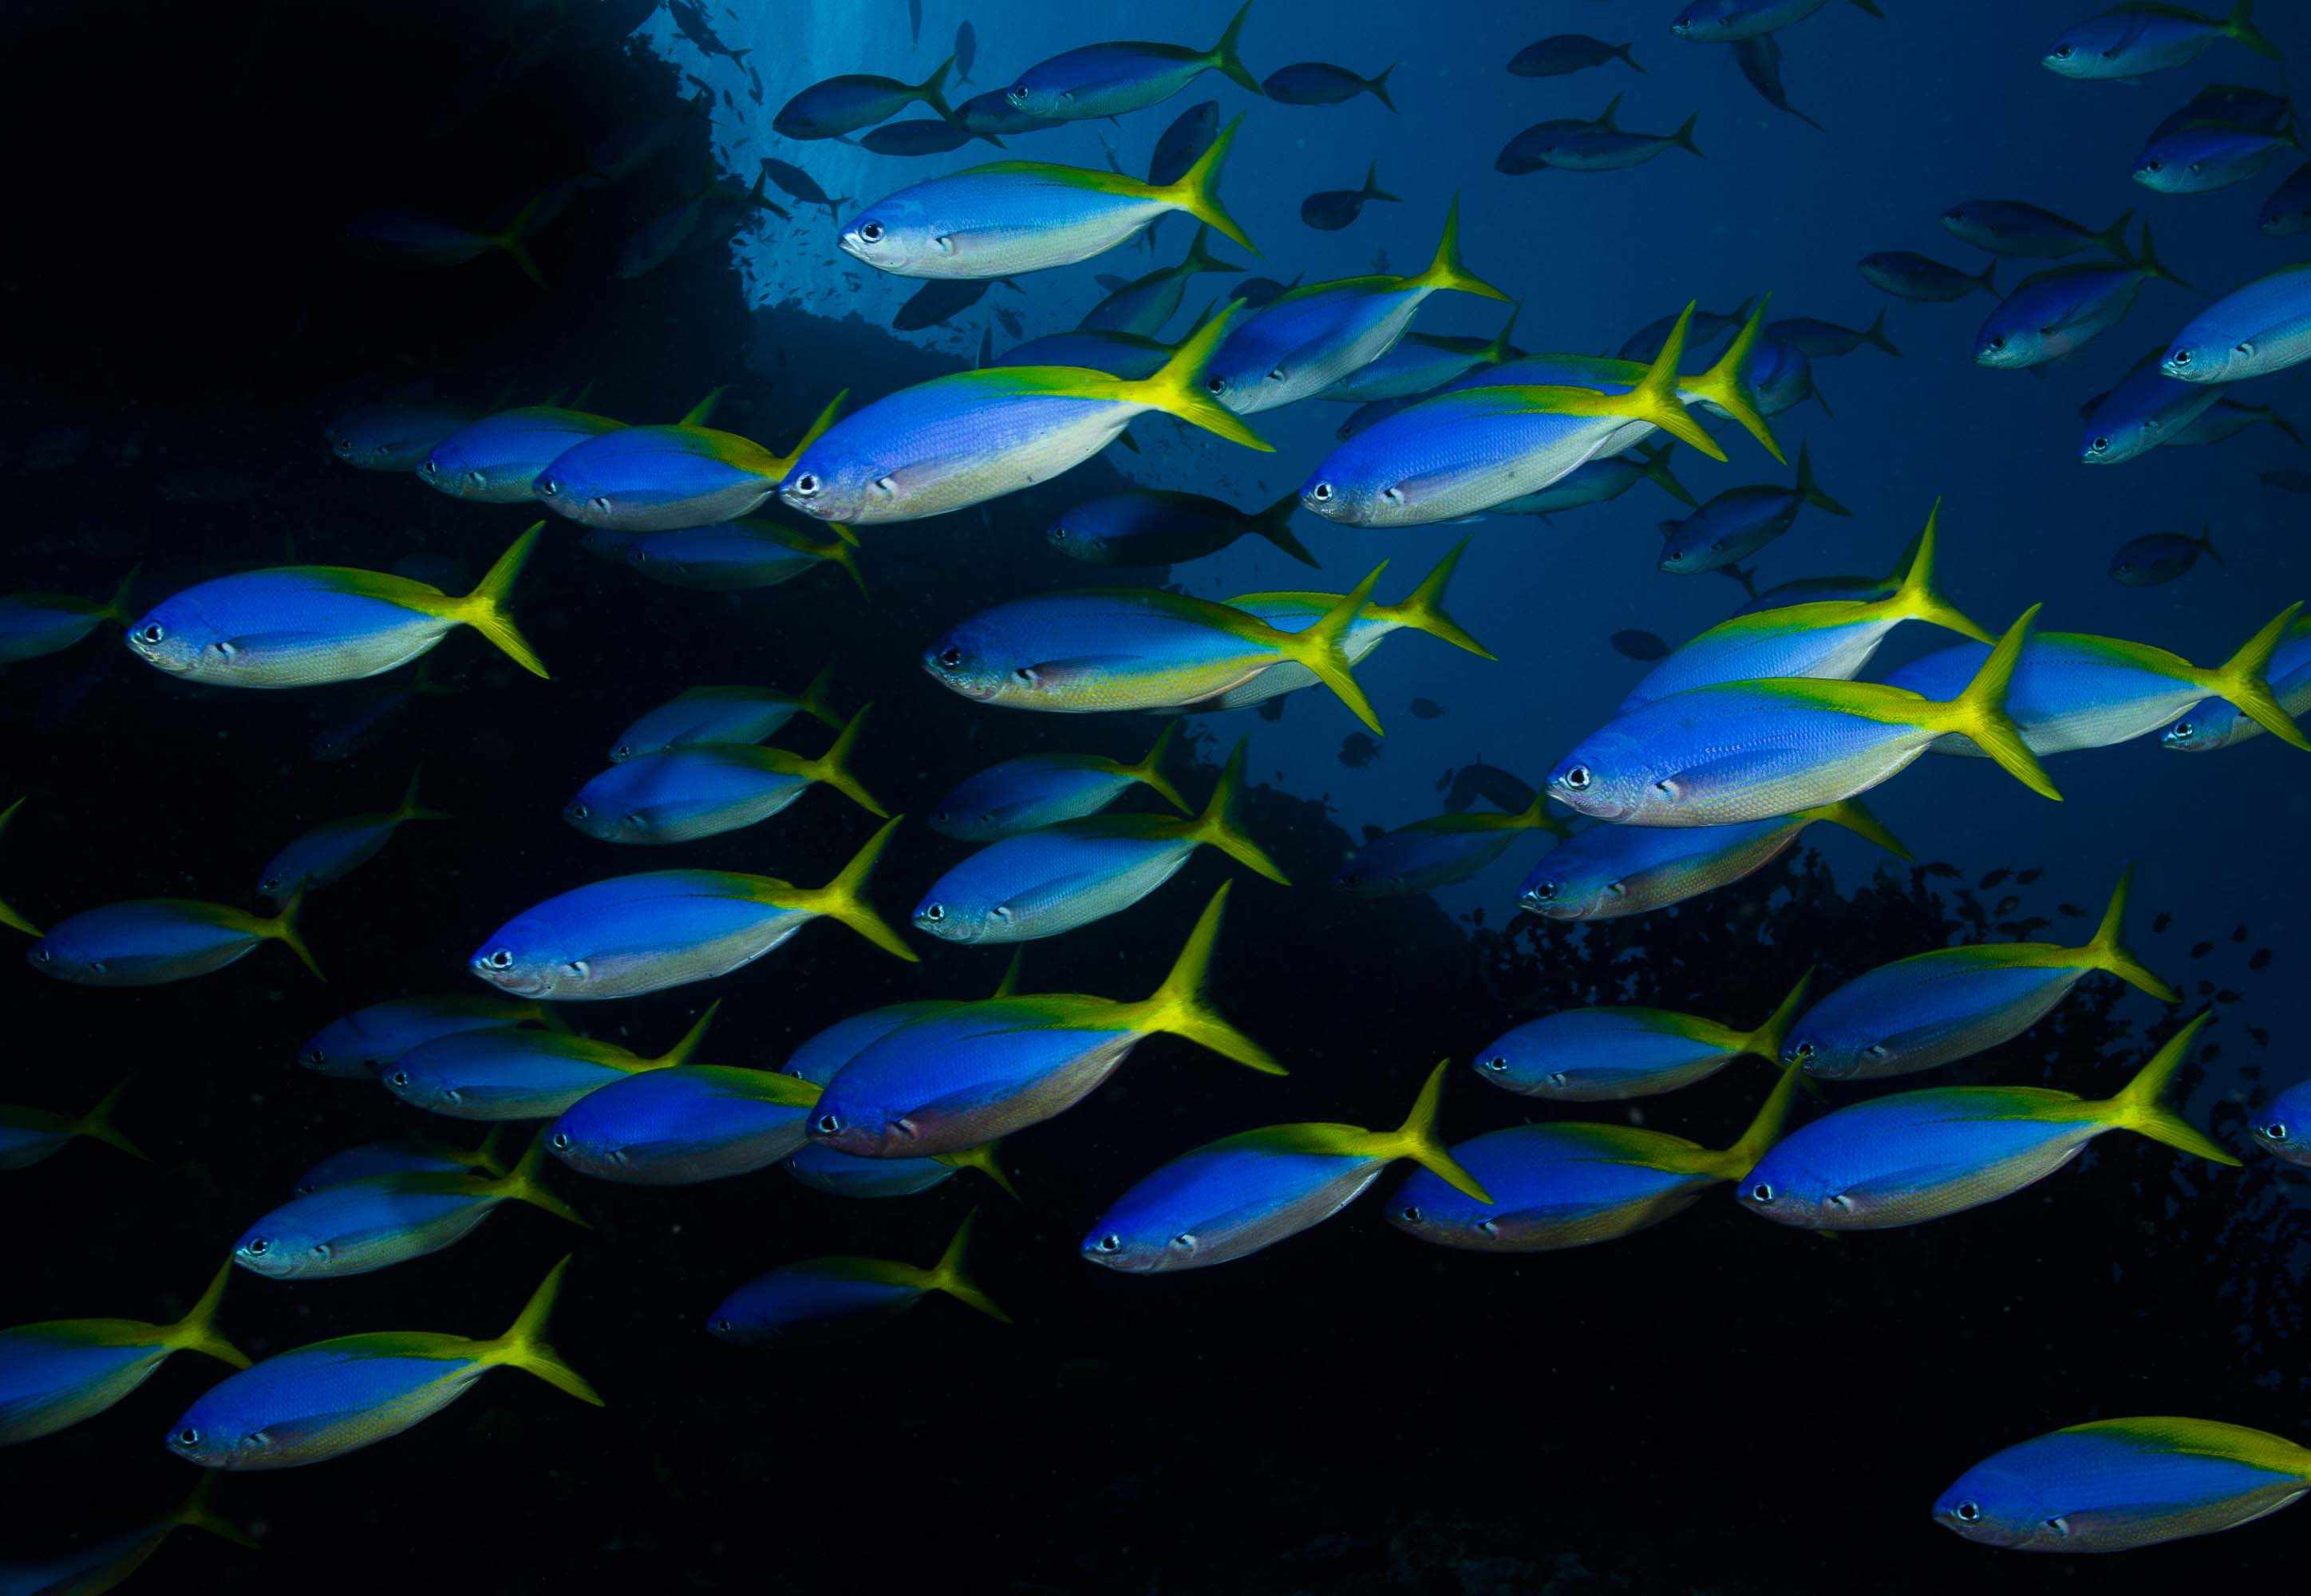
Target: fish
x,y
330,853
703,790
980,116
1107,80
1320,82
1152,526
333,1398
682,1126
1420,610
1574,1184
2146,409
1036,790
2056,312
966,49
1477,780
1014,216
663,479
2157,558
505,1073
1822,340
1908,276
2288,211
1237,1196
409,239
825,1300
1423,362
724,715
1934,1008
838,1174
104,1563
1561,54
1472,447
1357,751
1702,333
1613,149
799,184
2213,723
395,434
2128,42
1308,338
835,106
969,437
1332,209
2204,157
305,625
1740,521
59,1373
2253,331
2116,1484
1138,649
364,1042
1255,294
1914,1157
690,16
2073,690
402,1157
741,556
1439,850
967,1074
151,941
2016,227
1527,151
712,213
1049,882
1745,751
33,624
635,934
1181,144
358,1226
499,458
1723,21
1833,638
29,1135
1426,709
1760,61
923,135
1638,645
1144,305
1605,1054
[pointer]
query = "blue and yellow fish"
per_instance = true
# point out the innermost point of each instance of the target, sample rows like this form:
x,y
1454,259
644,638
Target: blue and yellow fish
x,y
1592,1055
663,479
1107,80
32,625
822,1300
702,789
403,1157
102,1564
1608,872
328,853
57,1374
1036,790
1440,851
151,941
505,1072
724,715
358,1045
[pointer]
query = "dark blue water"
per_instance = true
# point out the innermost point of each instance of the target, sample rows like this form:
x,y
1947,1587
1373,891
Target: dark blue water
x,y
1717,1405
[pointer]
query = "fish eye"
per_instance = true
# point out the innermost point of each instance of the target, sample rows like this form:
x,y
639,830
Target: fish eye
x,y
501,958
1544,890
2062,52
43,955
1761,1192
1498,1064
258,1247
1184,1241
806,484
1410,1216
829,1124
1802,1050
1967,1513
429,470
1059,534
1216,383
581,812
934,912
950,658
870,233
1997,344
545,487
153,633
189,1436
2184,729
1577,777
2276,1130
622,751
2099,445
1017,94
1321,493
2181,357
2154,164
1110,1243
400,1077
560,1141
723,1327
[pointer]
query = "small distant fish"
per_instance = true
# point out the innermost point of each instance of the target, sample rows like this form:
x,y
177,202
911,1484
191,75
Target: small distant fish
x,y
413,239
966,49
1357,750
1332,209
328,853
393,435
1740,521
690,16
2160,557
725,715
1910,277
1258,292
1183,143
1107,80
2128,42
824,1300
1760,61
2289,479
667,479
29,1135
915,22
2018,227
1639,645
2288,211
1563,53
32,625
1826,340
1426,709
1508,793
1148,527
2202,159
1320,82
805,188
1036,790
939,301
703,790
845,104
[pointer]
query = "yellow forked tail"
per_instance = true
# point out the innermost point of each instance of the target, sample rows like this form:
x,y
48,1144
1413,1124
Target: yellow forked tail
x,y
1322,648
2139,1106
1177,388
1916,598
844,898
2109,951
197,1331
834,767
1447,270
1726,384
484,609
1979,712
1423,609
947,1276
1197,191
1150,770
524,1347
1180,1006
1765,1041
2240,680
9,917
1217,824
1654,400
1418,1140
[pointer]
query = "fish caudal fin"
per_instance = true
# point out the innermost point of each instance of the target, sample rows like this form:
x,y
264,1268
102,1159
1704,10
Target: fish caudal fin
x,y
1200,258
1854,815
118,606
490,1156
1417,1140
1225,58
1371,189
97,1123
411,809
1149,771
2240,26
983,1159
1321,648
2108,950
1979,712
1177,388
1765,1041
1683,137
1423,609
1179,1007
1217,824
1726,384
933,91
9,917
1535,817
2113,237
195,1514
1875,332
1654,400
1197,190
842,549
1916,598
484,609
834,767
1766,1129
2240,680
1275,524
1657,472
197,1331
282,928
1809,490
947,1276
2149,264
524,1347
844,898
814,700
829,413
1377,85
681,1052
1447,270
2139,1108
521,1184
515,239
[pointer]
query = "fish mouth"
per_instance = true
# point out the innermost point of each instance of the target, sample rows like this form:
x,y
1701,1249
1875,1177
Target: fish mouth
x,y
519,983
153,657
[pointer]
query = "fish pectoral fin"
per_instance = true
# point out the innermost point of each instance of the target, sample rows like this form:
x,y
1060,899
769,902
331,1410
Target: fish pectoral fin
x,y
1046,894
1726,770
1073,668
